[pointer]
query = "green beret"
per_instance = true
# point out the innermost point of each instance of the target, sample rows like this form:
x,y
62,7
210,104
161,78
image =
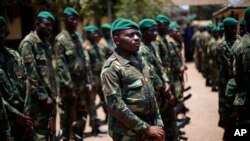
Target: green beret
x,y
2,21
146,23
229,21
46,15
221,27
163,19
215,29
243,22
210,25
106,26
91,28
173,26
123,24
70,11
247,13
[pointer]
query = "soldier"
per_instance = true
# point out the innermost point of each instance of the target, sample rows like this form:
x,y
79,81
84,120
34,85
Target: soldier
x,y
13,87
225,59
197,48
96,57
212,46
72,68
106,41
238,88
37,55
126,84
148,28
162,25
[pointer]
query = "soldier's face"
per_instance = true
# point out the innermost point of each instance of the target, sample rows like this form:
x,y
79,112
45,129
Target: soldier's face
x,y
162,27
106,33
93,36
231,31
128,40
71,22
3,34
150,33
45,27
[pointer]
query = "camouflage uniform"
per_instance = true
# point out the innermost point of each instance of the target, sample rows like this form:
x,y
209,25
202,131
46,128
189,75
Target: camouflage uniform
x,y
159,79
176,63
13,86
72,68
37,56
107,45
129,94
240,87
225,58
204,40
197,48
96,58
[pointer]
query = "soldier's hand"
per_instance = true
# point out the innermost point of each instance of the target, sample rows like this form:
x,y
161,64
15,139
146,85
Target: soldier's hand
x,y
25,123
167,88
48,103
157,132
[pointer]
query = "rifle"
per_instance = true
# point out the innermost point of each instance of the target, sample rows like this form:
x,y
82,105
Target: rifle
x,y
52,127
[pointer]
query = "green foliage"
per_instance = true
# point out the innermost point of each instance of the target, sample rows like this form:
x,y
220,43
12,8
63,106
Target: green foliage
x,y
139,9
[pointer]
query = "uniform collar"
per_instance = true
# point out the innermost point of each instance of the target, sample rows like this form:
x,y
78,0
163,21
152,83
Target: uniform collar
x,y
123,61
35,37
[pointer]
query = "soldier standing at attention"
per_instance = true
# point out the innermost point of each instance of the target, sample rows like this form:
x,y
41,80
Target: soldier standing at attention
x,y
73,74
243,27
12,90
128,90
238,88
37,55
225,59
148,28
96,58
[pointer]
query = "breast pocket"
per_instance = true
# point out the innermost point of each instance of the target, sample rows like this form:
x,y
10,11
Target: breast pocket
x,y
70,51
42,64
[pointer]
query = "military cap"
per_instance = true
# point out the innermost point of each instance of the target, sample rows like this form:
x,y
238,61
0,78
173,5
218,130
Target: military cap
x,y
243,22
146,23
221,27
123,24
210,25
46,15
2,20
163,19
70,11
247,13
173,25
229,21
106,26
91,28
215,29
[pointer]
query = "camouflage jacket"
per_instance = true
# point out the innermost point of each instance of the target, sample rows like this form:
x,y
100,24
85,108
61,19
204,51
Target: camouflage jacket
x,y
37,56
96,56
175,55
72,61
12,77
107,45
5,130
225,58
163,51
242,69
129,94
158,75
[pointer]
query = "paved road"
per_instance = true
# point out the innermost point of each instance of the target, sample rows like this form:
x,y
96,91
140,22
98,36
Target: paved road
x,y
203,112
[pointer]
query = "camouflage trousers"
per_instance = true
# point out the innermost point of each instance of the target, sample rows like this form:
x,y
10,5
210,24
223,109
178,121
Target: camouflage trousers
x,y
178,89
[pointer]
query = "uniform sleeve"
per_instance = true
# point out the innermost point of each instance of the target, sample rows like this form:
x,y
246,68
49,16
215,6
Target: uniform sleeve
x,y
36,86
5,130
117,107
62,66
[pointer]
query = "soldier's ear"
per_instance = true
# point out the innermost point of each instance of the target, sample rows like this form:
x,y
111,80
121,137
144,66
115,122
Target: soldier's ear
x,y
116,39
